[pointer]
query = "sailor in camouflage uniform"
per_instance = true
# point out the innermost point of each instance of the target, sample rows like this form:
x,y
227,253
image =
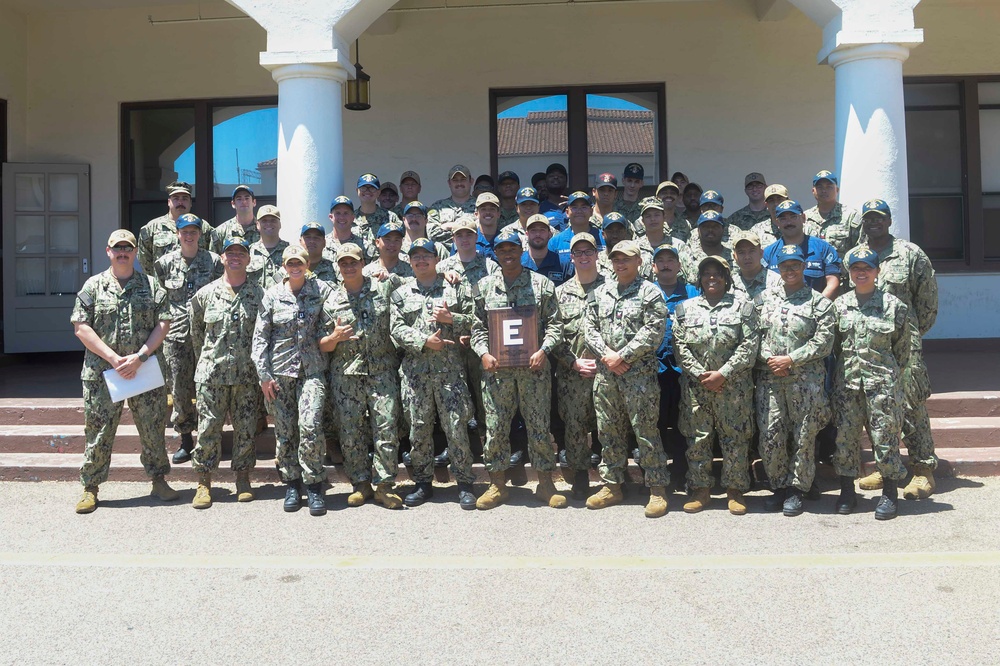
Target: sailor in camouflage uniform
x,y
752,276
628,202
873,348
576,366
716,340
678,228
343,230
182,273
755,211
623,328
707,242
121,316
797,325
508,389
364,383
369,215
839,226
443,212
222,317
265,253
159,236
243,223
390,264
291,368
906,272
427,317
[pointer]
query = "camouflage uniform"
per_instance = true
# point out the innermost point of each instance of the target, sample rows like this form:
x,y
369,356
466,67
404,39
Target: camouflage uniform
x,y
181,280
159,237
691,254
509,389
575,394
364,380
472,273
631,323
746,219
508,217
368,248
443,211
841,227
752,288
434,381
222,325
366,224
265,263
906,272
632,212
286,349
723,337
873,347
795,407
220,233
768,232
680,229
123,318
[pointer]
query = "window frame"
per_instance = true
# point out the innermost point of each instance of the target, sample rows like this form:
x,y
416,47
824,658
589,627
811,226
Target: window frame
x,y
202,206
576,123
973,224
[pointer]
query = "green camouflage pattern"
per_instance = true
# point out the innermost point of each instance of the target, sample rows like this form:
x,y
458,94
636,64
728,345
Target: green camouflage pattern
x,y
222,328
768,232
442,212
242,403
220,233
159,237
300,444
841,227
288,328
265,263
747,219
690,255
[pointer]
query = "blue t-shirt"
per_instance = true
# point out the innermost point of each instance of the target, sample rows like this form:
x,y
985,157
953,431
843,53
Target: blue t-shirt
x,y
484,246
821,260
550,267
665,354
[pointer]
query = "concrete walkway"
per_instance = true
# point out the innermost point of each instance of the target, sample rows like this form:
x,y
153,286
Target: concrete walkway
x,y
143,582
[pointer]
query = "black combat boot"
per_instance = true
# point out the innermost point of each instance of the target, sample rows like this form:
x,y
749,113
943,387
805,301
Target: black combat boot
x,y
793,502
293,495
466,498
423,492
848,499
775,501
886,509
183,454
581,484
317,501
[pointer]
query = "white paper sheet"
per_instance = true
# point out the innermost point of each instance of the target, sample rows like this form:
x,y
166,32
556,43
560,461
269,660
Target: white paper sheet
x,y
147,378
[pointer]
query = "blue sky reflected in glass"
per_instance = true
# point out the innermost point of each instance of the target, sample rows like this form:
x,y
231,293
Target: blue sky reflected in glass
x,y
254,133
558,103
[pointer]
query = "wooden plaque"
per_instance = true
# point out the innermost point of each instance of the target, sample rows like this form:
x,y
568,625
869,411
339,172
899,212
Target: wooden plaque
x,y
513,335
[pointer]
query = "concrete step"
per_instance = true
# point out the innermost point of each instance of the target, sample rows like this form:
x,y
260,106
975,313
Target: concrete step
x,y
961,432
966,461
70,439
960,404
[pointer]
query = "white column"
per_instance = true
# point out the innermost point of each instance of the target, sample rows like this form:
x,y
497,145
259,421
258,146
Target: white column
x,y
310,140
870,128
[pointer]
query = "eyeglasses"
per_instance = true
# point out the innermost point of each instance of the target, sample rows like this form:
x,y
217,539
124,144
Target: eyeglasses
x,y
583,253
124,248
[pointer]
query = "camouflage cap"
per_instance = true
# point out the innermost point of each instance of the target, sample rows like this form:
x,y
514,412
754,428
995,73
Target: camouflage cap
x,y
582,237
459,169
754,177
464,222
537,218
487,198
508,235
790,253
121,236
650,202
390,227
294,252
627,247
714,259
665,185
188,220
273,211
862,255
410,174
878,206
776,190
390,186
312,226
425,244
179,186
350,250
788,206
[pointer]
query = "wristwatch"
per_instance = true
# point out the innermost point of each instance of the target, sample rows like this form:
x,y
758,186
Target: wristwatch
x,y
143,357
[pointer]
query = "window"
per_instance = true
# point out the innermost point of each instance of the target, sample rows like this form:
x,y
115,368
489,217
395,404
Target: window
x,y
953,162
212,144
589,129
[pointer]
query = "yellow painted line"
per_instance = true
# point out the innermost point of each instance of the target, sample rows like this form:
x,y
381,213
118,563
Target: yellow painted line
x,y
503,562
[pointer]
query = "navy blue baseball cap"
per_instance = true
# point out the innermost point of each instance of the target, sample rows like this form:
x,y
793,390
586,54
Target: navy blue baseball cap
x,y
526,194
389,227
422,244
614,218
876,206
788,206
242,188
665,247
790,253
341,200
188,220
415,204
237,241
312,226
577,196
369,179
711,196
508,235
508,175
634,170
825,175
710,216
862,255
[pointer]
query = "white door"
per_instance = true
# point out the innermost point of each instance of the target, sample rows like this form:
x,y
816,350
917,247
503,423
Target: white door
x,y
46,253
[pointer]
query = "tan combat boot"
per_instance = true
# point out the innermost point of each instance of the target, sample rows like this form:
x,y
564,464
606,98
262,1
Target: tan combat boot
x,y
88,502
385,496
496,494
162,491
203,495
657,505
244,492
362,493
921,486
871,482
546,491
700,498
609,495
737,505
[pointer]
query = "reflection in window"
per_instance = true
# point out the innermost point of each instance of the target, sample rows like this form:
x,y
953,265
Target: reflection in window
x,y
621,129
531,134
244,143
161,150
